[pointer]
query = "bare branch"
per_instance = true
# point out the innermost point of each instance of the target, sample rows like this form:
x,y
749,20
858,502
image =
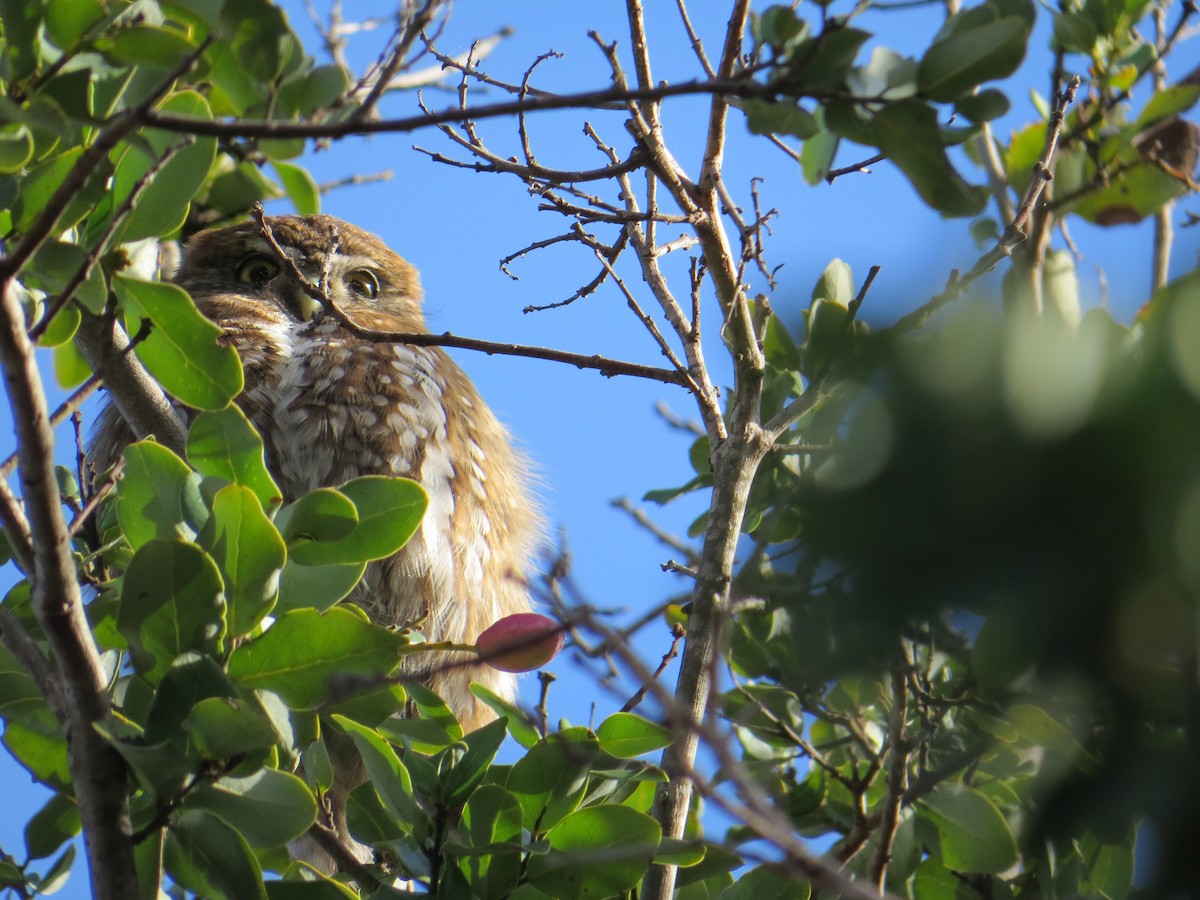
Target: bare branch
x,y
1015,233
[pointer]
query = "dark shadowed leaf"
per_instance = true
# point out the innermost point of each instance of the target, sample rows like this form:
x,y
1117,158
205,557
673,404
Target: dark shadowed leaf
x,y
207,856
172,601
952,67
907,133
267,808
224,727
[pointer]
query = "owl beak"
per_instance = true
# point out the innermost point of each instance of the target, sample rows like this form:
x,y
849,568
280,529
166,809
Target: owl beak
x,y
303,305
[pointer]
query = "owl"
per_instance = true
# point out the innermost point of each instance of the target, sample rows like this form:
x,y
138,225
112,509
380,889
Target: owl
x,y
331,407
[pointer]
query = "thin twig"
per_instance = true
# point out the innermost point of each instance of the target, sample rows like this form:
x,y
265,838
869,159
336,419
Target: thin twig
x,y
1014,234
863,166
677,635
607,367
665,537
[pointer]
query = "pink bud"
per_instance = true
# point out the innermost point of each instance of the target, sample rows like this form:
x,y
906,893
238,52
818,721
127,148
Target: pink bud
x,y
521,642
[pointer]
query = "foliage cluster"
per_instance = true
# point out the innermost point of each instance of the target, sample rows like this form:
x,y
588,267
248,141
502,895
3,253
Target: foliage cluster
x,y
962,643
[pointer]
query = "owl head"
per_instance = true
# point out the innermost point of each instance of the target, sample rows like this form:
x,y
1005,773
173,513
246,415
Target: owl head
x,y
375,287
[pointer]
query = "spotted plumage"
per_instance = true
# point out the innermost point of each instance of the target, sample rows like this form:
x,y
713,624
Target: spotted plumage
x,y
331,406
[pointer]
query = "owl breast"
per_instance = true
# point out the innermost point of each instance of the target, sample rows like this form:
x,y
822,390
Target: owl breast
x,y
332,407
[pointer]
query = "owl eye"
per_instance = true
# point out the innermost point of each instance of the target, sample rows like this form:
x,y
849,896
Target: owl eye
x,y
364,283
257,268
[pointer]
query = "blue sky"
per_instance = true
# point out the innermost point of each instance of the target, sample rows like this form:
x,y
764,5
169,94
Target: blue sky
x,y
594,439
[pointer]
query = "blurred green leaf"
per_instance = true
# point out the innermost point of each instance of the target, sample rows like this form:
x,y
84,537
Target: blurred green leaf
x,y
953,66
974,835
765,883
300,187
69,20
50,827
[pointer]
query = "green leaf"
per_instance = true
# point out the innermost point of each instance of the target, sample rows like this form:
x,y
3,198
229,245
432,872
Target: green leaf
x,y
259,35
147,45
53,825
473,765
764,883
1170,101
322,86
907,133
935,882
621,839
171,602
625,735
182,351
983,107
249,554
550,780
817,155
1110,868
836,284
40,184
492,819
223,444
386,773
54,266
389,513
158,496
298,655
68,20
316,587
1074,32
268,808
226,727
208,857
191,678
21,45
323,515
974,835
37,743
768,117
163,206
16,147
824,62
300,187
160,769
520,724
952,67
